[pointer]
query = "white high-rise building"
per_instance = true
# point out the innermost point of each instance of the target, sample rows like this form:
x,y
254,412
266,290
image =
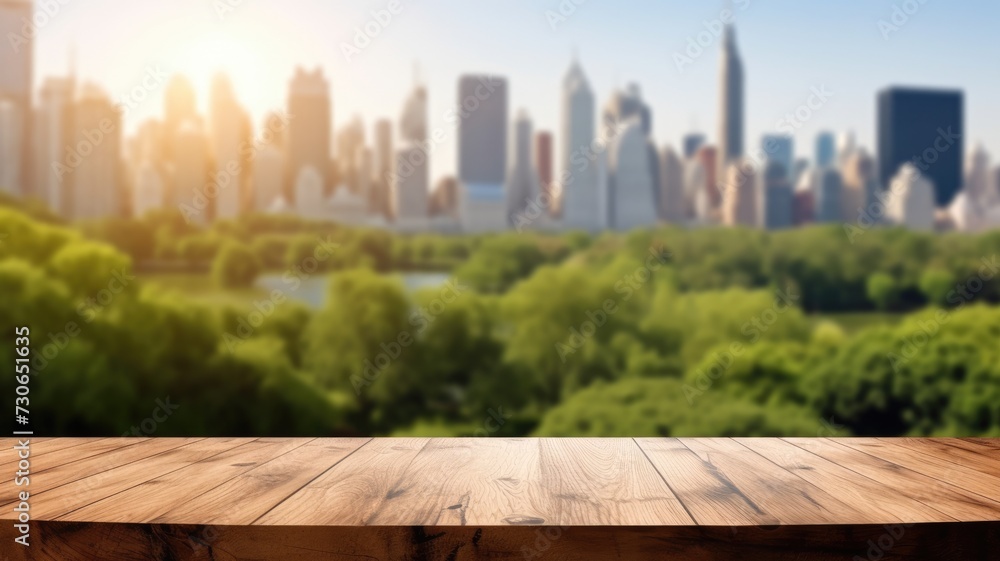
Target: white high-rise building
x,y
739,202
268,176
911,200
581,200
633,202
977,177
697,199
672,204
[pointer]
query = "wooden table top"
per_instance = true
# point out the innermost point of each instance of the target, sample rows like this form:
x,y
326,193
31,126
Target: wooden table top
x,y
508,482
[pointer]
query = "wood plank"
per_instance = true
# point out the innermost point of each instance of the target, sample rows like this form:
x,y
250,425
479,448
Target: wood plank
x,y
929,464
710,497
148,501
940,448
606,482
850,487
790,499
143,542
49,505
263,487
39,447
130,450
354,490
459,481
989,442
941,495
972,446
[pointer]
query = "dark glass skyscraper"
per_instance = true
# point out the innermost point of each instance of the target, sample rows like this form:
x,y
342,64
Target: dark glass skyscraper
x,y
925,127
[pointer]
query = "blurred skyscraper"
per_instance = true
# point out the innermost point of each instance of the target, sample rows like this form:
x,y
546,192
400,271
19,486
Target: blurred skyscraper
x,y
708,157
412,175
860,185
739,201
829,195
631,183
672,204
978,176
926,128
311,120
625,105
350,139
779,148
380,200
96,160
543,163
730,103
522,178
179,107
269,167
192,169
482,152
230,128
911,202
16,75
692,142
777,208
581,202
826,150
53,120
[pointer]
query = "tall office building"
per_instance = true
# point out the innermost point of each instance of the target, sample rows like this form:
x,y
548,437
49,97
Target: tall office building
x,y
179,107
826,150
581,200
672,203
192,171
482,152
412,176
730,103
149,188
16,65
95,178
911,201
778,207
739,203
779,148
12,126
310,196
805,196
860,185
309,107
522,178
829,196
631,182
269,168
350,139
543,164
380,200
708,157
53,119
692,142
925,127
230,128
625,105
697,202
978,180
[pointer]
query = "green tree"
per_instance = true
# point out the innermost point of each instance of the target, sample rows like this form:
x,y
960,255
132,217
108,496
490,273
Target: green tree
x,y
236,266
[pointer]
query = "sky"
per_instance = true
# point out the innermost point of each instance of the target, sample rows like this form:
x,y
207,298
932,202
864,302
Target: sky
x,y
850,48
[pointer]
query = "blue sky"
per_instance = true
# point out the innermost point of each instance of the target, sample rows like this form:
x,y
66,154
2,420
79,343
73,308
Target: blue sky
x,y
788,47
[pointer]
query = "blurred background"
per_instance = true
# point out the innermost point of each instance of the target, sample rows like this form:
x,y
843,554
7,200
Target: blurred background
x,y
558,218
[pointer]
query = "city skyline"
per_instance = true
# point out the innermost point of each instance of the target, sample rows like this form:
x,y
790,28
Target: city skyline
x,y
262,44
